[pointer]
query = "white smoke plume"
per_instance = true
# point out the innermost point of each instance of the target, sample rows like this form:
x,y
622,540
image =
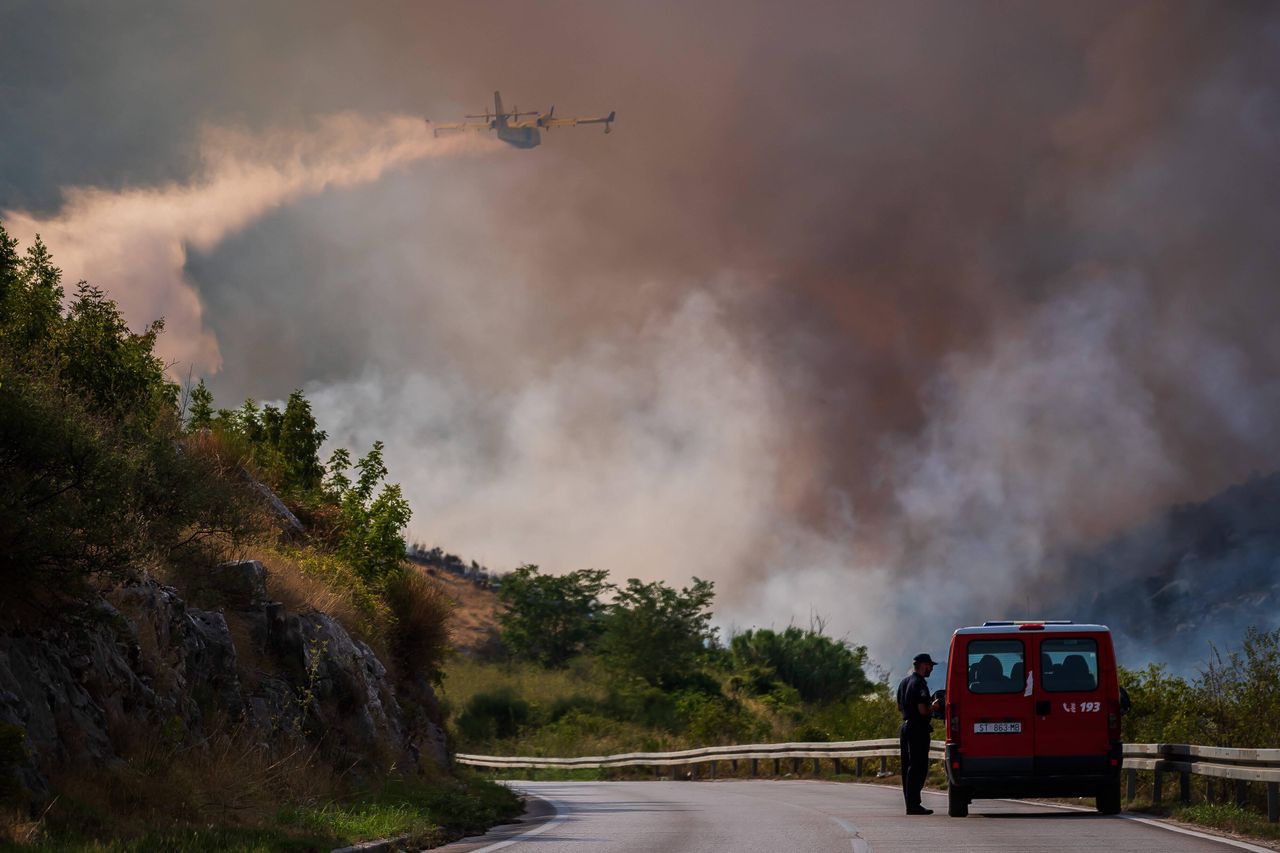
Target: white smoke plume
x,y
133,242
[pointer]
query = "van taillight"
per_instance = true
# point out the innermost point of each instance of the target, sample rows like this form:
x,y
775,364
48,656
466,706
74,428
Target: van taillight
x,y
1113,720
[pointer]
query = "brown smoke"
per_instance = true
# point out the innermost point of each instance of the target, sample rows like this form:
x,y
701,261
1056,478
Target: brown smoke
x,y
864,307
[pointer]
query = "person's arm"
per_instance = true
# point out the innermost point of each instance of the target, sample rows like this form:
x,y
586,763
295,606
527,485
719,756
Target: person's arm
x,y
923,705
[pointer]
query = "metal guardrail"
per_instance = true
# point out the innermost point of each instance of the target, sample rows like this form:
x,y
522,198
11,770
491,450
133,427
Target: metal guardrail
x,y
1216,763
692,759
1242,766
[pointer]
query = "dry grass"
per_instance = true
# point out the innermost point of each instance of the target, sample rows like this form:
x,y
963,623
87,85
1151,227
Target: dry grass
x,y
18,827
227,779
304,590
475,613
420,631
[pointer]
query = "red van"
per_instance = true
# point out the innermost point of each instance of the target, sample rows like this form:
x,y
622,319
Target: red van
x,y
1033,709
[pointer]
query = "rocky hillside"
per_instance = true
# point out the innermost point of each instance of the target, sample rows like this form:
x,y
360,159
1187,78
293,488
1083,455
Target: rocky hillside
x,y
142,663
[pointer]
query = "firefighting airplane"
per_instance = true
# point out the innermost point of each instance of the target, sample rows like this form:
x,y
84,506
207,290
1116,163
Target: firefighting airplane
x,y
517,131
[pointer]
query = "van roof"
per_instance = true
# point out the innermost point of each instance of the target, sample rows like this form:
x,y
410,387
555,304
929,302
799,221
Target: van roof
x,y
1017,628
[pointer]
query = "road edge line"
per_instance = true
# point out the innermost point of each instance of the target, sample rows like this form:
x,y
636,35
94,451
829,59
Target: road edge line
x,y
557,816
1158,824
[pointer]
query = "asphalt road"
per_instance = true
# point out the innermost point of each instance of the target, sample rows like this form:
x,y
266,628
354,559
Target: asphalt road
x,y
809,817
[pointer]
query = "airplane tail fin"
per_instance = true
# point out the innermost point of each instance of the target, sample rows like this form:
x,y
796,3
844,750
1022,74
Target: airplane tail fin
x,y
497,108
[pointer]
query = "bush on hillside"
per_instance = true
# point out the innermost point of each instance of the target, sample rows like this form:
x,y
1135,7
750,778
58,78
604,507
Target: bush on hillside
x,y
96,477
495,715
657,633
551,618
1240,693
819,668
420,609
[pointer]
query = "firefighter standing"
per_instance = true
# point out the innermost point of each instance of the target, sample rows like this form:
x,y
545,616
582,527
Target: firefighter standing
x,y
917,712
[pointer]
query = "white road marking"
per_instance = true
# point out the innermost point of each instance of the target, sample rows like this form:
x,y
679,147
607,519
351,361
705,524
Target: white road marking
x,y
858,843
1159,824
559,818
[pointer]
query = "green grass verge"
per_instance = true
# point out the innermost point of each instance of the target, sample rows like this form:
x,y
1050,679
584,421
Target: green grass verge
x,y
1226,817
430,813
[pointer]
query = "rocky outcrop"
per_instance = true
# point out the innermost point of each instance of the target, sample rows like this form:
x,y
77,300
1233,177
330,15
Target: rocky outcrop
x,y
142,663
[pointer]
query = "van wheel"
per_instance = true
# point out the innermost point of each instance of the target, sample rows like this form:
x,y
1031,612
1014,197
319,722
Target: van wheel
x,y
1109,798
958,801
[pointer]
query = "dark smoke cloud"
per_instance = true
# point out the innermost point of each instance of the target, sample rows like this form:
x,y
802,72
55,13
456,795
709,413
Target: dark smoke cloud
x,y
871,308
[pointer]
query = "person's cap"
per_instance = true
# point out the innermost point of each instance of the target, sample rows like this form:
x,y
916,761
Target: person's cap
x,y
923,657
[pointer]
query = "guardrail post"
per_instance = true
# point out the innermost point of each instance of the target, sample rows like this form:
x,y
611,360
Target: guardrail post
x,y
1157,787
1184,787
713,769
795,767
1130,784
755,767
1273,802
1242,793
1210,792
734,764
836,769
817,767
857,767
777,767
884,765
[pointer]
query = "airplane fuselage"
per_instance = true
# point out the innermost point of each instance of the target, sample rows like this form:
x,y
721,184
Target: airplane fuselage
x,y
520,137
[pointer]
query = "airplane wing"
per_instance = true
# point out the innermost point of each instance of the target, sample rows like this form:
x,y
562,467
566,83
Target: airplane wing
x,y
574,122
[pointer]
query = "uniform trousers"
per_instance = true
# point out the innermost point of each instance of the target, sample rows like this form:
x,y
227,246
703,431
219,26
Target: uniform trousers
x,y
913,742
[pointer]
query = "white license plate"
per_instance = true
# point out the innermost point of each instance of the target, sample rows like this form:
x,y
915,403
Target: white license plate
x,y
997,728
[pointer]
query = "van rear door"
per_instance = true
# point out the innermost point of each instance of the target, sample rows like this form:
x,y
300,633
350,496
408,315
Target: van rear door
x,y
1071,736
997,734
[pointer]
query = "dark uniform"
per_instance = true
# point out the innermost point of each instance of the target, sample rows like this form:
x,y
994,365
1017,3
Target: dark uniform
x,y
913,737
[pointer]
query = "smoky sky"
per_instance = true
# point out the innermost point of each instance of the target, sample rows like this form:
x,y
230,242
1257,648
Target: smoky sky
x,y
866,310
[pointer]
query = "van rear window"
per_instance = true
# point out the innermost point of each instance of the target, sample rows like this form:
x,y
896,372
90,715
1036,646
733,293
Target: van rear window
x,y
1069,665
996,666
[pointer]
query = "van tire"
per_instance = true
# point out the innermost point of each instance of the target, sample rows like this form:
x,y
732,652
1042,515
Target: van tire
x,y
958,801
1108,799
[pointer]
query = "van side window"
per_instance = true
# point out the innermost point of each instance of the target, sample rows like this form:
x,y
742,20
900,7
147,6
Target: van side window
x,y
996,666
1069,665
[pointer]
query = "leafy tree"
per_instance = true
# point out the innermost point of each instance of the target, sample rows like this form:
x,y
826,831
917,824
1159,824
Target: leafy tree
x,y
36,302
819,668
248,422
337,482
551,618
299,442
658,633
94,476
1165,707
372,538
1239,694
200,407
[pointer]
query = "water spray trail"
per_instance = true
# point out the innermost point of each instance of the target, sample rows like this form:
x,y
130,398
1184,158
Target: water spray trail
x,y
133,242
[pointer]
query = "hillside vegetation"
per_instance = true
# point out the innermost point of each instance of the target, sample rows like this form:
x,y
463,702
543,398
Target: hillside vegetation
x,y
114,483
586,667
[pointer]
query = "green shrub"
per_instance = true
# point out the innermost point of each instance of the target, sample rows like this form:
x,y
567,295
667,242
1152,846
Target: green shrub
x,y
658,633
712,720
493,716
550,618
96,477
819,668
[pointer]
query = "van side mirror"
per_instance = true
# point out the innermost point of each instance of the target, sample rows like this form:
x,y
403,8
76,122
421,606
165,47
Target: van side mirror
x,y
940,696
1126,704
